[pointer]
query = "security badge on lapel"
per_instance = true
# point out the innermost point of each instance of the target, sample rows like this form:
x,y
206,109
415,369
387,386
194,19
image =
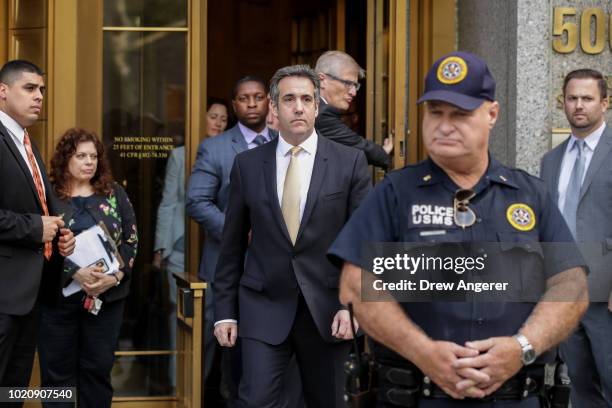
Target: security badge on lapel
x,y
92,305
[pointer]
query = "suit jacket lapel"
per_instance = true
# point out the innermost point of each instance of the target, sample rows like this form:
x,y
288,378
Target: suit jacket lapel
x,y
238,143
63,209
600,155
557,160
24,167
269,166
316,181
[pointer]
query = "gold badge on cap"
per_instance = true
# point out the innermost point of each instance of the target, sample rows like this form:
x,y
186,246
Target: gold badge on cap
x,y
521,217
452,70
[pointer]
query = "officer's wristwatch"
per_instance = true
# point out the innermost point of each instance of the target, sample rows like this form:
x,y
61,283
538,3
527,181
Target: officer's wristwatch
x,y
528,354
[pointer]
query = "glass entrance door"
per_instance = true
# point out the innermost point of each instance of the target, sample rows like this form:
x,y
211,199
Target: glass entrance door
x,y
404,37
144,99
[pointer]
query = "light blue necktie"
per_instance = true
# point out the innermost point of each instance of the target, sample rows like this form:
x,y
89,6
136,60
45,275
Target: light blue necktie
x,y
572,194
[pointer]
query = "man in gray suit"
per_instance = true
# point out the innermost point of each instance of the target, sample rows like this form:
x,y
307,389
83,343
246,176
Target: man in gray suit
x,y
208,188
579,175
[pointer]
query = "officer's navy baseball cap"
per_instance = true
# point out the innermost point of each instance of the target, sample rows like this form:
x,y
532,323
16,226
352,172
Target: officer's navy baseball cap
x,y
461,79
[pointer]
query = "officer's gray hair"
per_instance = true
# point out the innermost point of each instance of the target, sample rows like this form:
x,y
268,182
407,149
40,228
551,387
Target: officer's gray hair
x,y
330,62
303,71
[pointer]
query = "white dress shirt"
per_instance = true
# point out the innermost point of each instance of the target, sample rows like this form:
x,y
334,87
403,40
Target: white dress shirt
x,y
17,133
569,158
305,158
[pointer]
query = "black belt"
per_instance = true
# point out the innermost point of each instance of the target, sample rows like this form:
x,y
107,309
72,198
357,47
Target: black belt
x,y
404,386
399,386
521,386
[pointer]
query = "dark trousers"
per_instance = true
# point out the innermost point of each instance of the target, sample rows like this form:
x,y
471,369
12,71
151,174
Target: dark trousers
x,y
18,336
320,366
588,355
231,371
77,349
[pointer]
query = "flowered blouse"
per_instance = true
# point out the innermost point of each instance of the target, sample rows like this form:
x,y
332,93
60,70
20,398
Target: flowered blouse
x,y
117,214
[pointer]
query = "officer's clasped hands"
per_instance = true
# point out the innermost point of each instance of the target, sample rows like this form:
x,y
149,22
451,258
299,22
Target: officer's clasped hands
x,y
499,358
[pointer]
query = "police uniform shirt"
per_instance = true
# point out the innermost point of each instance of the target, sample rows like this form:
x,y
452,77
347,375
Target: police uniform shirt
x,y
415,204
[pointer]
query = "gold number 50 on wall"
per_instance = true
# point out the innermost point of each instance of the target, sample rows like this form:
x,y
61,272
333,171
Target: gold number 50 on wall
x,y
565,30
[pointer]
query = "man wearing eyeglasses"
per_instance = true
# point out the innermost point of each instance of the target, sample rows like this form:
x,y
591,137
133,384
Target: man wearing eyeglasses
x,y
339,74
449,354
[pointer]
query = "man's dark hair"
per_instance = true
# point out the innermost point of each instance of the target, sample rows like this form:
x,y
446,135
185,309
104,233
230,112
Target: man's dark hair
x,y
12,70
247,78
587,73
303,71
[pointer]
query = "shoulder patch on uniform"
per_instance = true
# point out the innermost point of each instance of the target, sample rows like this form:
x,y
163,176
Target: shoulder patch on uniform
x,y
521,217
452,70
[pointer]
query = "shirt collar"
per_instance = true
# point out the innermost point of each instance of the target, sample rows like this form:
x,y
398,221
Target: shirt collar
x,y
309,145
431,174
249,134
12,126
591,140
497,173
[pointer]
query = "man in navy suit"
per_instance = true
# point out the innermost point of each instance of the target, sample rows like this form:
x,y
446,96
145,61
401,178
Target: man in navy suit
x,y
28,224
288,200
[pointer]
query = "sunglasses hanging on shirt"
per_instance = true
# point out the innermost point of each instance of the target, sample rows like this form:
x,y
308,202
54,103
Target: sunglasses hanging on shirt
x,y
463,215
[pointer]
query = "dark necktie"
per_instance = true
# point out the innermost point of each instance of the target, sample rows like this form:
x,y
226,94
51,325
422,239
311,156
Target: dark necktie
x,y
259,140
572,194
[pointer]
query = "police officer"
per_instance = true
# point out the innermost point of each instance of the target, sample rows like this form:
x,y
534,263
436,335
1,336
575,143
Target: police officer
x,y
463,353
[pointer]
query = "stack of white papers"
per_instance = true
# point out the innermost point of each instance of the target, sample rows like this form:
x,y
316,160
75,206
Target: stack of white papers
x,y
92,248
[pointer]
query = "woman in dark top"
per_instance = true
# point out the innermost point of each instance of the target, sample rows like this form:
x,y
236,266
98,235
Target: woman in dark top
x,y
77,347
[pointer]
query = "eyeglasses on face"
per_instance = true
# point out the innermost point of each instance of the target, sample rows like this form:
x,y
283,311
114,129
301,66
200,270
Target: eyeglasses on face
x,y
347,84
463,215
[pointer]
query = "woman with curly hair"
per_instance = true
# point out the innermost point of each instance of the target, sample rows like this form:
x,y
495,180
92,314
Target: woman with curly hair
x,y
76,346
